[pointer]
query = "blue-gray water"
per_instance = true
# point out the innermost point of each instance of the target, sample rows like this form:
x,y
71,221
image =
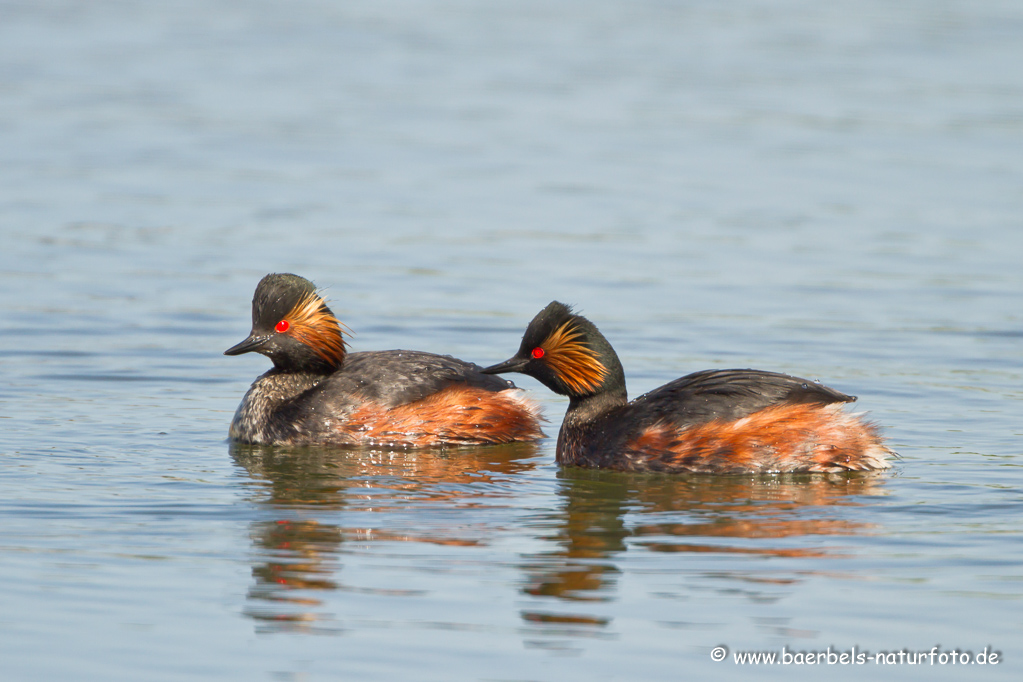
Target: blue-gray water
x,y
833,190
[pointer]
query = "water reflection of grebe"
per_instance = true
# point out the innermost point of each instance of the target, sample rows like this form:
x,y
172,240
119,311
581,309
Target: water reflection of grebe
x,y
298,547
604,513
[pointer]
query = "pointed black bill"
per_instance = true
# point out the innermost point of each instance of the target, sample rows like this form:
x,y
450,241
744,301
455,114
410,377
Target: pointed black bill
x,y
248,345
510,365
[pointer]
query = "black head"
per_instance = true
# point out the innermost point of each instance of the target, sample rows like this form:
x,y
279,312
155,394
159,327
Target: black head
x,y
566,353
293,326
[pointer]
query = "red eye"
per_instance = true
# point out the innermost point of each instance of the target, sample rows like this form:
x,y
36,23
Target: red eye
x,y
283,326
537,352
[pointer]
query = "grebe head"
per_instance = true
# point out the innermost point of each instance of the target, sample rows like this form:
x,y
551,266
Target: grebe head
x,y
293,326
566,353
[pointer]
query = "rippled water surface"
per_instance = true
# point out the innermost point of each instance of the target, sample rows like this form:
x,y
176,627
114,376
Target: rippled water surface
x,y
832,190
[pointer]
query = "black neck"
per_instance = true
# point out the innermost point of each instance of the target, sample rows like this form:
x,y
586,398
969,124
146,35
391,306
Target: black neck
x,y
590,407
305,362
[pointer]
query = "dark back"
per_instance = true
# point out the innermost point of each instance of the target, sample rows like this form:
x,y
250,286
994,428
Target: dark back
x,y
729,394
396,377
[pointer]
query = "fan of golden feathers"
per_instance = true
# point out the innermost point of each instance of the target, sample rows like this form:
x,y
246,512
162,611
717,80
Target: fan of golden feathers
x,y
572,360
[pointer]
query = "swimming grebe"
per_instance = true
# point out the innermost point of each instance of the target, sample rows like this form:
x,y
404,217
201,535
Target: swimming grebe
x,y
715,421
317,393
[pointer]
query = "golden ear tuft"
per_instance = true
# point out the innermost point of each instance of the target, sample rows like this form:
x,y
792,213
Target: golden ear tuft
x,y
313,324
572,360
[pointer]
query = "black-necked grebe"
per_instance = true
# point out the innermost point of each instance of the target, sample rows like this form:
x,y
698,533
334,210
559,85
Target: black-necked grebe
x,y
715,421
317,393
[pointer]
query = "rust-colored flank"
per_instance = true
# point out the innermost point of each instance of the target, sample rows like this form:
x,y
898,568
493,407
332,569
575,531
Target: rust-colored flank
x,y
791,438
458,415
